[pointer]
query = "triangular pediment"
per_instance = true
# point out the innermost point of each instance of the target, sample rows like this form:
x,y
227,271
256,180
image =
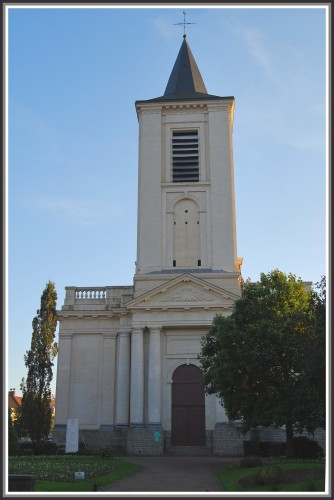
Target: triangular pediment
x,y
185,291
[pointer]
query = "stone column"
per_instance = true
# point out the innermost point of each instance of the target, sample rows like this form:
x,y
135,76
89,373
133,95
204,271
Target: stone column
x,y
154,378
137,378
123,380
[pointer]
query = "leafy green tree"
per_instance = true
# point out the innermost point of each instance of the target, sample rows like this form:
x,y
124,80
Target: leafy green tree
x,y
36,393
257,359
315,376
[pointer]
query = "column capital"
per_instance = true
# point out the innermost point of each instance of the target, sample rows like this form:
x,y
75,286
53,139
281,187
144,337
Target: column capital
x,y
155,329
124,333
137,329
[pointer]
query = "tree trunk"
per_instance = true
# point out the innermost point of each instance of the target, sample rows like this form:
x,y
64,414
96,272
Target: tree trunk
x,y
289,440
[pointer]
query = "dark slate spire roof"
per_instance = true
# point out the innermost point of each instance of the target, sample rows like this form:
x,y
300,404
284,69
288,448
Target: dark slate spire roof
x,y
185,77
185,81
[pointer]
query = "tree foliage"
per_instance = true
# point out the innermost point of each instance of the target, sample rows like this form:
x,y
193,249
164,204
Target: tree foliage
x,y
13,446
267,359
36,392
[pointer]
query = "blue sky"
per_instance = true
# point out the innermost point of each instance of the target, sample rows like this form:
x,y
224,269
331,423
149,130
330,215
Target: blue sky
x,y
73,77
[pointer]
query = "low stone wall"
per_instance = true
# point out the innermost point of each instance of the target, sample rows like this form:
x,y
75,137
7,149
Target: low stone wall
x,y
278,435
224,440
320,437
228,441
105,437
145,441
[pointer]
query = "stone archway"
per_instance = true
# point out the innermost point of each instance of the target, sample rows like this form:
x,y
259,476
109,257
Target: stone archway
x,y
188,407
186,251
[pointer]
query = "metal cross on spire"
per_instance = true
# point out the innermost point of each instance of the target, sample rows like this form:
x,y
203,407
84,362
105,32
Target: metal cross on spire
x,y
183,24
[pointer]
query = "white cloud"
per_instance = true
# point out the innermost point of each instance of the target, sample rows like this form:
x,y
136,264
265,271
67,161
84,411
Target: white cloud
x,y
259,50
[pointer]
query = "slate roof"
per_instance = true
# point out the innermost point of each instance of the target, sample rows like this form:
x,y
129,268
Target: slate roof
x,y
185,82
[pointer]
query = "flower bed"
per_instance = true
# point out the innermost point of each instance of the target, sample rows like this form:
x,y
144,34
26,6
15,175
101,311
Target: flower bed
x,y
62,468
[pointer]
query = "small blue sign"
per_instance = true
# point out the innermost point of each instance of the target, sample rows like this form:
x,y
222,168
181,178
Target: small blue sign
x,y
156,436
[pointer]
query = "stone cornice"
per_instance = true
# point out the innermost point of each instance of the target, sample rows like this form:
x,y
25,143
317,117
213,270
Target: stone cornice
x,y
106,333
221,106
184,106
77,314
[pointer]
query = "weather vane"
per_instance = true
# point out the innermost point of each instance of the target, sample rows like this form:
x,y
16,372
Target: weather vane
x,y
183,24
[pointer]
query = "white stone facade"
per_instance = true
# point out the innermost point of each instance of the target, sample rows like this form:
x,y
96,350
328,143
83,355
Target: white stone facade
x,y
116,361
119,347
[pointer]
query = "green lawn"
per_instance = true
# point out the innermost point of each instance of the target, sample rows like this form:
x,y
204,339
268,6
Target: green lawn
x,y
228,477
56,473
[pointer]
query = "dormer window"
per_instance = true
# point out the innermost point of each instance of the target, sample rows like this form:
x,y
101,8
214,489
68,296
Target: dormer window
x,y
185,159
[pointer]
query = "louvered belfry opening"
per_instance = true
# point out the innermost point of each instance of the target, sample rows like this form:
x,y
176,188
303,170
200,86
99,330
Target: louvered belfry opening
x,y
185,156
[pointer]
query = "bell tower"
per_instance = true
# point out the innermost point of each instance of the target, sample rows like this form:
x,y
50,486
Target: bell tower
x,y
186,210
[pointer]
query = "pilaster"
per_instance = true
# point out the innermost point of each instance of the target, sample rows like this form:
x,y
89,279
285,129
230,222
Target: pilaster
x,y
154,377
123,380
137,378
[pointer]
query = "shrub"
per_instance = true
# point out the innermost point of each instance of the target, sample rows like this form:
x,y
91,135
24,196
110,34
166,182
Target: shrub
x,y
277,449
271,476
25,445
264,448
251,448
312,485
28,452
61,450
104,452
251,462
260,478
82,449
270,449
13,445
48,448
304,447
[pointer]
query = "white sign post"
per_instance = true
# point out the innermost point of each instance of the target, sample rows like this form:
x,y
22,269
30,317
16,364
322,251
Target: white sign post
x,y
72,435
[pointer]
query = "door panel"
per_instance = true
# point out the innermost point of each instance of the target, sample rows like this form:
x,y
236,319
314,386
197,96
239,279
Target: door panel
x,y
180,426
188,407
196,426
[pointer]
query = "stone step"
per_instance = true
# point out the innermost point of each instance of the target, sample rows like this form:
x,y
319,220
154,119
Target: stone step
x,y
188,450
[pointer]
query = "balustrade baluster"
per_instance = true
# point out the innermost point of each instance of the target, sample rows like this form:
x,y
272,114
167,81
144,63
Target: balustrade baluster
x,y
90,294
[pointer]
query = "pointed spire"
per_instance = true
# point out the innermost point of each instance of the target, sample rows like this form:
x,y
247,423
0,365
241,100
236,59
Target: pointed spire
x,y
185,82
185,77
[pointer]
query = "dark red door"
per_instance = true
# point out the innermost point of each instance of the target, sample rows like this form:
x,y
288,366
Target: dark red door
x,y
188,407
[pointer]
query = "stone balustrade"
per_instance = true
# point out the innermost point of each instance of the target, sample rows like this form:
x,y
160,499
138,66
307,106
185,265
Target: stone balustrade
x,y
87,293
97,297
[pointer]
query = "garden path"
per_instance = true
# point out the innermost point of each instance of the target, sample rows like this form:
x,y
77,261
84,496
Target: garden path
x,y
174,473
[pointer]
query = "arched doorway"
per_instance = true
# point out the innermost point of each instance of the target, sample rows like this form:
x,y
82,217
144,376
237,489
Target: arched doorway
x,y
188,407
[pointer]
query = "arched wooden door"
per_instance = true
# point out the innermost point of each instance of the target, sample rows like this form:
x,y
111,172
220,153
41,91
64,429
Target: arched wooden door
x,y
188,407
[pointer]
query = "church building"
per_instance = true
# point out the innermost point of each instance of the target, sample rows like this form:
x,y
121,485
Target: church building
x,y
128,365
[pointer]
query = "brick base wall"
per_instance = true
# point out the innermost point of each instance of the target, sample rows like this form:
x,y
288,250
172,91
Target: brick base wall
x,y
278,435
224,440
105,437
228,441
145,441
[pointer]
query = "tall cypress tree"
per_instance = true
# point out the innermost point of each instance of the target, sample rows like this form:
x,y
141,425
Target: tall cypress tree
x,y
36,392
